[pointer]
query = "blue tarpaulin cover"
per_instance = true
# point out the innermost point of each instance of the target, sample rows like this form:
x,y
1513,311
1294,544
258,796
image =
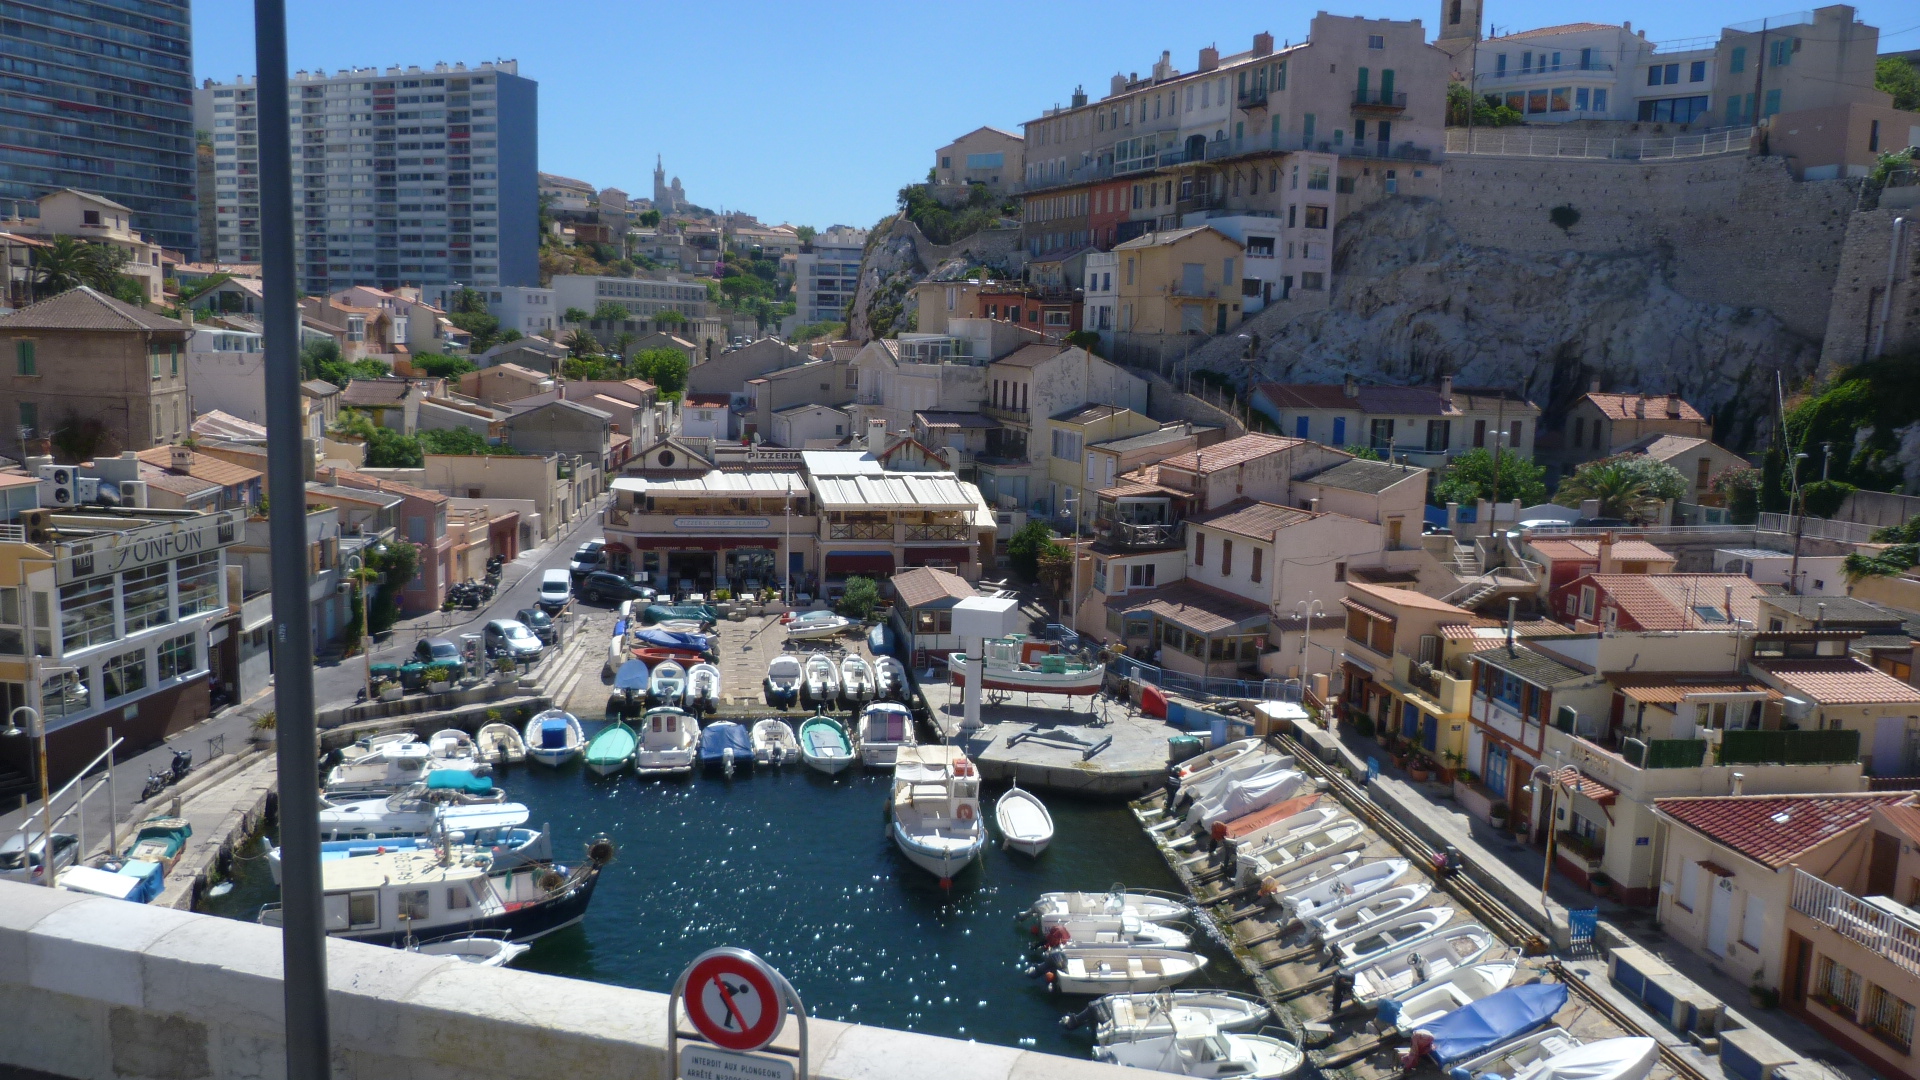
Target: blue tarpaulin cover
x,y
674,639
1494,1019
458,780
152,879
553,734
631,676
716,738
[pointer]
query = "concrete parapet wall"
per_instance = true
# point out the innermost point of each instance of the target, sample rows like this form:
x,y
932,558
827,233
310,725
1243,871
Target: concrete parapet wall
x,y
97,988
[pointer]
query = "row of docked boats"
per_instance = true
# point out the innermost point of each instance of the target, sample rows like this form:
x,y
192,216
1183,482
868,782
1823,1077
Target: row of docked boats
x,y
821,682
668,741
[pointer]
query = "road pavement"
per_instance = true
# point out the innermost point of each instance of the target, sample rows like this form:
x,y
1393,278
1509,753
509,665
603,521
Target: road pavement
x,y
335,682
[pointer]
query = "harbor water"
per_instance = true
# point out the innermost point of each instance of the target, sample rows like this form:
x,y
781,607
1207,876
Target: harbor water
x,y
798,867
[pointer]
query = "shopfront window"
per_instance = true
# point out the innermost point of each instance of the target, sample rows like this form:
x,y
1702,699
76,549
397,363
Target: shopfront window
x,y
124,675
64,694
145,597
178,657
86,613
199,583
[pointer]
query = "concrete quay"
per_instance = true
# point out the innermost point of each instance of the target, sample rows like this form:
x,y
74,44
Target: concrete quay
x,y
98,989
1085,745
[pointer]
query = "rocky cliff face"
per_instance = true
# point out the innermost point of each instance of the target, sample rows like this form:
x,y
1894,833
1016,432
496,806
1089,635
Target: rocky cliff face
x,y
1415,302
884,304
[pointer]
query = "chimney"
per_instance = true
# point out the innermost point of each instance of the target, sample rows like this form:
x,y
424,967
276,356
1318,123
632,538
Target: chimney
x,y
1606,552
182,458
1446,391
1079,96
1352,388
1737,784
876,435
1209,58
1673,406
1116,85
1594,387
1262,44
1820,615
1640,407
1313,505
1513,604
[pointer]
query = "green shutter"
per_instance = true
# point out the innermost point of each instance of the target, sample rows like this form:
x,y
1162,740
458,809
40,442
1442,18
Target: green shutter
x,y
1386,86
1362,88
24,361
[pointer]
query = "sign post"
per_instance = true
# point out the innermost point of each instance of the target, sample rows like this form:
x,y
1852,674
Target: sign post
x,y
737,1004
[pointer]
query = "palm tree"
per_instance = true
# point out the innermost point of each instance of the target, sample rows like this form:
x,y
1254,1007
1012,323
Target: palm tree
x,y
67,264
623,346
1622,491
582,344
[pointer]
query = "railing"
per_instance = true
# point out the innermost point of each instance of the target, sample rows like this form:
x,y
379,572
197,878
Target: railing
x,y
1128,667
917,533
1426,681
856,530
1544,69
13,534
1851,532
1664,753
1789,747
1876,930
1499,142
1253,97
1122,534
1018,416
1367,99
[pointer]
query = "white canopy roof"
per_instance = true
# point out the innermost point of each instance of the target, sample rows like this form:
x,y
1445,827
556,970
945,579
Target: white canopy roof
x,y
716,482
893,491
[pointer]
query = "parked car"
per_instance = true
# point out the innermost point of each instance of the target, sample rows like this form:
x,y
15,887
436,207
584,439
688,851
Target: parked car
x,y
586,558
18,863
556,588
606,587
512,639
436,650
538,622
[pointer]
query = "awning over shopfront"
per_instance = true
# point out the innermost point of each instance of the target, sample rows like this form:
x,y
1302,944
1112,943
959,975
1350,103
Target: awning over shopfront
x,y
923,556
859,562
1581,784
1195,608
703,543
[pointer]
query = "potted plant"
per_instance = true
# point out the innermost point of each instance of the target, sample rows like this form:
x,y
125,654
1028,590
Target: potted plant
x,y
1763,997
440,677
261,731
505,672
1497,814
387,689
1419,769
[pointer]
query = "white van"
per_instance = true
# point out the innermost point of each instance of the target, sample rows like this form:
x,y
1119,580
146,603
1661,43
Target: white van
x,y
556,587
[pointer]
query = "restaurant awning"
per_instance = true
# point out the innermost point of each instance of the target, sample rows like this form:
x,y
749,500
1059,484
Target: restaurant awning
x,y
922,556
860,562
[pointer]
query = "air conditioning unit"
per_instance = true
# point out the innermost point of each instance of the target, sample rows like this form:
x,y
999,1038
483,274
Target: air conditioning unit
x,y
86,489
57,487
133,493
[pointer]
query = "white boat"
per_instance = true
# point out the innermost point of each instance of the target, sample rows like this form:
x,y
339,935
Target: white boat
x,y
554,737
1195,767
1101,931
1510,1059
476,949
410,814
451,745
1120,1017
1025,824
889,679
825,745
1422,1005
396,767
1338,923
1306,821
1625,1058
703,688
885,728
1008,667
617,653
668,739
1275,856
815,629
821,687
1196,1047
508,847
1343,890
1419,961
1055,906
856,680
1121,969
1244,796
936,809
783,682
1314,868
774,743
500,744
373,744
1214,780
667,683
1365,944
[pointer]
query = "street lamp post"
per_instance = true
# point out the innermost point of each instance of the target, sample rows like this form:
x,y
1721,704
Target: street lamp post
x,y
1073,565
37,729
1306,608
1553,806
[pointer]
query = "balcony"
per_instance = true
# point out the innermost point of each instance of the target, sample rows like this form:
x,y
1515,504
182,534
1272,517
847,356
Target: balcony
x,y
1015,416
921,534
1128,536
1546,69
1379,104
1253,97
859,530
1852,918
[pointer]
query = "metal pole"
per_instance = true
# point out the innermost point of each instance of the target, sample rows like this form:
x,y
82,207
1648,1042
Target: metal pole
x,y
113,804
46,804
303,937
1546,873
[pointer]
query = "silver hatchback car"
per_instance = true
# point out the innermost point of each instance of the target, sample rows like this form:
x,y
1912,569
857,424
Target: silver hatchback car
x,y
512,639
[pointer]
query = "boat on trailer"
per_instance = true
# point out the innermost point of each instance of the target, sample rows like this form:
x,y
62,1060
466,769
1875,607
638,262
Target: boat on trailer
x,y
1018,662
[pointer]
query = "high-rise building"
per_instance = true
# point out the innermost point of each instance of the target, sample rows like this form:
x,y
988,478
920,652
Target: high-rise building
x,y
99,97
402,176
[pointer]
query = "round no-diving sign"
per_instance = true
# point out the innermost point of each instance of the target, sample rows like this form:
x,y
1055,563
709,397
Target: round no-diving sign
x,y
733,1000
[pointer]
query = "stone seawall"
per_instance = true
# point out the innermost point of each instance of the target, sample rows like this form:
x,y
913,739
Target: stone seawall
x,y
105,990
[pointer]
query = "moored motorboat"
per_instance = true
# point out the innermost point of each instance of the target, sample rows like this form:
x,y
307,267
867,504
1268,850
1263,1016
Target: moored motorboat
x,y
554,737
1120,969
1020,663
668,738
1423,1004
725,747
667,684
1479,1026
500,744
160,840
1100,931
1335,924
1366,943
885,727
782,683
1195,1047
815,629
821,688
1025,823
1119,1017
610,750
1247,794
1276,855
1195,767
889,679
703,688
396,767
1258,838
1418,961
1625,1058
451,745
936,809
1051,907
629,697
824,745
480,950
1319,867
413,814
373,744
1215,780
1511,1059
1343,890
856,681
774,742
508,847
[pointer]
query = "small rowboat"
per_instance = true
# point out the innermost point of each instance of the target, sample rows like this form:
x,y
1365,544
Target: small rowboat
x,y
1365,944
774,743
667,684
1054,906
1336,924
1420,1006
824,745
822,686
1025,824
1344,890
500,744
1417,962
783,682
612,749
1123,1017
554,737
1121,969
477,949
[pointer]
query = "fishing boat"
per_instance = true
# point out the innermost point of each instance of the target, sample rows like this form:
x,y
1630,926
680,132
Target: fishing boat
x,y
774,743
936,809
889,679
725,747
667,684
392,898
1196,1047
1088,931
413,814
783,682
1480,1026
660,656
612,748
1119,1017
703,688
500,744
794,618
508,847
1272,857
821,688
659,637
1026,826
1513,1059
1018,662
396,767
1120,969
480,950
554,737
1319,867
160,840
1366,943
824,745
885,729
1054,906
373,744
816,629
1337,923
1195,767
1343,890
1420,1006
668,738
856,681
1408,966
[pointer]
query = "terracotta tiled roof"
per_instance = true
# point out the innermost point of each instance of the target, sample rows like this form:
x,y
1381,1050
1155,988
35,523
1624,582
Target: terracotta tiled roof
x,y
1395,400
1681,601
84,309
1225,455
1667,447
1842,682
1655,688
1583,550
205,467
1199,608
184,486
1259,520
1563,28
1582,784
1905,818
1772,829
924,585
1626,406
710,401
1030,356
348,478
1406,598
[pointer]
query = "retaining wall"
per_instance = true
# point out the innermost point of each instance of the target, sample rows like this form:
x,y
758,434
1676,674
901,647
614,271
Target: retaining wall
x,y
96,988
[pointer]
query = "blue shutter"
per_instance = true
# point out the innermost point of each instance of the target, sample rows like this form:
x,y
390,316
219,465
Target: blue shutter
x,y
1339,431
1300,427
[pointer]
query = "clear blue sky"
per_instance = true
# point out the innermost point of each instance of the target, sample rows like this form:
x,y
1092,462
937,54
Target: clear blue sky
x,y
817,113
